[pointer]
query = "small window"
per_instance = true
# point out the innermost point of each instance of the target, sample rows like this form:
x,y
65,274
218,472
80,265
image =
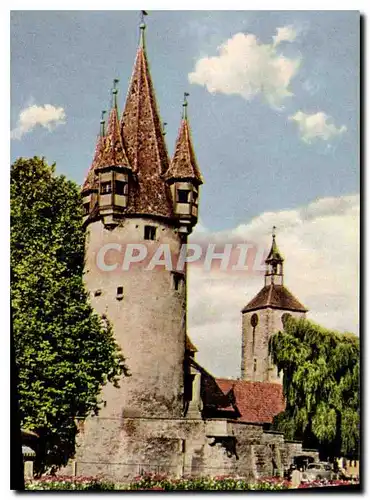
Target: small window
x,y
97,293
119,295
183,195
149,232
105,187
120,187
86,208
254,320
255,365
177,280
195,197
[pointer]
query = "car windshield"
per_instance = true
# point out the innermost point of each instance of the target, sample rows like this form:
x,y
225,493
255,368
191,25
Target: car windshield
x,y
315,466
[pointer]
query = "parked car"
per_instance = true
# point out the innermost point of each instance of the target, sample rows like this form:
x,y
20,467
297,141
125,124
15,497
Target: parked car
x,y
318,470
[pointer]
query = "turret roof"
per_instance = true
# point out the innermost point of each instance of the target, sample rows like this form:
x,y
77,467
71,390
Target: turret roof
x,y
274,254
113,152
144,141
184,164
90,177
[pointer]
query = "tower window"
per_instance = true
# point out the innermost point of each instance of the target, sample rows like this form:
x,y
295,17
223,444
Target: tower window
x,y
149,232
86,208
119,295
105,187
254,320
120,187
183,195
195,197
255,365
177,280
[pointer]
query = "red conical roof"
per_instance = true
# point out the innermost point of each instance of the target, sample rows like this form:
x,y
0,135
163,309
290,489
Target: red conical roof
x,y
144,142
113,152
90,178
184,164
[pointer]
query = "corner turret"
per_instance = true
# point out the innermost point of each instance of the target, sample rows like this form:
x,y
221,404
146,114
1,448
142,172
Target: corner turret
x,y
184,177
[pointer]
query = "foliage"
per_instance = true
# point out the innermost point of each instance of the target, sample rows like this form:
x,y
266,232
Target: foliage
x,y
155,482
63,351
321,386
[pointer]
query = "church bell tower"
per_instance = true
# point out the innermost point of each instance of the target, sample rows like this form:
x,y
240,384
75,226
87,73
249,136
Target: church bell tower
x,y
263,316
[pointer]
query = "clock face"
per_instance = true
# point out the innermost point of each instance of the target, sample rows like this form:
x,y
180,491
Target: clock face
x,y
254,320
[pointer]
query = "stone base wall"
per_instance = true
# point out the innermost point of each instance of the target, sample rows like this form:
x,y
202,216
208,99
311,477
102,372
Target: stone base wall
x,y
121,449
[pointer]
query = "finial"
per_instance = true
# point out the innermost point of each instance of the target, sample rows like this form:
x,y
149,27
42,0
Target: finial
x,y
142,27
273,232
102,124
164,128
185,105
115,92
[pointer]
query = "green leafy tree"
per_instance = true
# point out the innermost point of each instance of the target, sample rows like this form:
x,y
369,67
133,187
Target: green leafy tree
x,y
64,352
321,386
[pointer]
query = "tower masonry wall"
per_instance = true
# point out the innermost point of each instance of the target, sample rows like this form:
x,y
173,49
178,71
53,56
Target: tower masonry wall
x,y
148,315
256,364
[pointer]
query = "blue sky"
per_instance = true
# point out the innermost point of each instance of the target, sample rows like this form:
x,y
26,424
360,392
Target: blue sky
x,y
251,155
274,112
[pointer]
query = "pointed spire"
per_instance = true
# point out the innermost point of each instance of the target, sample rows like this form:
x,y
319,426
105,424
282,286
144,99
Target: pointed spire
x,y
90,177
274,255
184,164
143,139
142,27
113,153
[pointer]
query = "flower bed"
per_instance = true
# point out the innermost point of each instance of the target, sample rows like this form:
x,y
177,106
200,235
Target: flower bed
x,y
157,482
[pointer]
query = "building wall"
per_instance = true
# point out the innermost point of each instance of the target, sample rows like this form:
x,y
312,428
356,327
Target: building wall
x,y
256,364
148,318
120,449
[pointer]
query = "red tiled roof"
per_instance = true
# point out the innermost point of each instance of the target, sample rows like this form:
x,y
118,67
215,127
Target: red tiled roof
x,y
184,164
257,402
90,178
276,297
113,152
143,139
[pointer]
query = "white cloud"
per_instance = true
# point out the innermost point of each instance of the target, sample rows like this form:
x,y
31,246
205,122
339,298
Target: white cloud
x,y
248,68
46,116
316,126
285,34
320,244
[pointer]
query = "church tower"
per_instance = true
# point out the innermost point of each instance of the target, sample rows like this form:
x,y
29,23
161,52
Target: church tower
x,y
263,316
137,200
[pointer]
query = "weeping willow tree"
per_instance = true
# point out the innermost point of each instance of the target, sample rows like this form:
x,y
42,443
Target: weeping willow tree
x,y
321,386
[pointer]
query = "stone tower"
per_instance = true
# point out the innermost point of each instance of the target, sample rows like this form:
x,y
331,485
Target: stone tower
x,y
137,200
263,316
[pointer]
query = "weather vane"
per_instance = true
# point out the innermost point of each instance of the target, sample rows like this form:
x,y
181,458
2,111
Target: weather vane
x,y
143,13
102,123
185,104
115,91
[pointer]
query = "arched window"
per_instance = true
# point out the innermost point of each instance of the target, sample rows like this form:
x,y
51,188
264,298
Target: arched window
x,y
254,320
254,323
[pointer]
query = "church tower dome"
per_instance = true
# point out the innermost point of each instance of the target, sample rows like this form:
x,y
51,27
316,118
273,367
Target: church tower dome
x,y
263,316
